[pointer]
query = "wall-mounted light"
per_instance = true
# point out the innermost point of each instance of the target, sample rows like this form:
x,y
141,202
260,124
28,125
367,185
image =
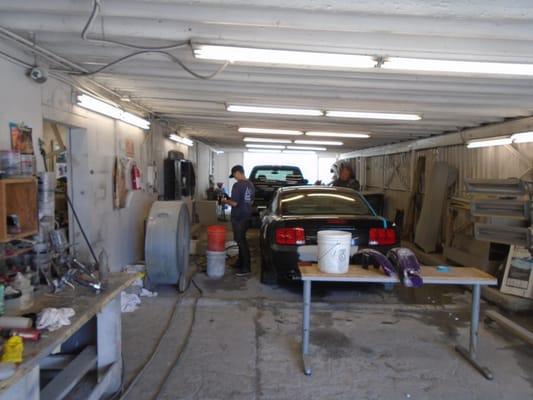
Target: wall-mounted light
x,y
109,110
182,140
135,120
522,137
519,137
494,141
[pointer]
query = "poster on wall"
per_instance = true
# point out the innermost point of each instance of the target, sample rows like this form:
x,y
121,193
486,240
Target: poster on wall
x,y
21,138
518,276
129,148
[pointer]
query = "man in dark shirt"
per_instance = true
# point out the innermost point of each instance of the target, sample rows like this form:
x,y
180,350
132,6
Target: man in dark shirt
x,y
241,200
346,178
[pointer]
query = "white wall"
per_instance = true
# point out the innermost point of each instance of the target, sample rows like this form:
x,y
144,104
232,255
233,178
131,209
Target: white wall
x,y
20,101
95,142
203,169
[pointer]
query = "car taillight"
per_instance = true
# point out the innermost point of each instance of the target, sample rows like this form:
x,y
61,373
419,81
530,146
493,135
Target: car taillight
x,y
381,236
290,236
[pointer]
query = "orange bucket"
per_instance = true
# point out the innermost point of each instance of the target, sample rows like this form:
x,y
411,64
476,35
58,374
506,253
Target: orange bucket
x,y
216,238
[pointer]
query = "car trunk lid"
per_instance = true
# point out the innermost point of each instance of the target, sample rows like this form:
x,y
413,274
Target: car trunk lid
x,y
358,226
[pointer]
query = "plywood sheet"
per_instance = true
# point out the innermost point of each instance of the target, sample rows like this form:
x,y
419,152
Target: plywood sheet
x,y
429,225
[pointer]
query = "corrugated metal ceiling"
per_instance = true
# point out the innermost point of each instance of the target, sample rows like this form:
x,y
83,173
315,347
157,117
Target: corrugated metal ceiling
x,y
483,30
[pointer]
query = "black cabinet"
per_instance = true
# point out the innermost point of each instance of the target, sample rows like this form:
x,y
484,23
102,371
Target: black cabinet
x,y
179,178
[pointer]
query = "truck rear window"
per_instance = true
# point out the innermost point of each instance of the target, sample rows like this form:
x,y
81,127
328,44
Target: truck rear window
x,y
323,203
273,174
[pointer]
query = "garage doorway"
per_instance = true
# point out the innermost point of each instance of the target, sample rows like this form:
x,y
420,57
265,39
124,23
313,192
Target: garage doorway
x,y
313,166
64,152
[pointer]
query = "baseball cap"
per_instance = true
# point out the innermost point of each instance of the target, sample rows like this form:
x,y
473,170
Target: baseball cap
x,y
236,168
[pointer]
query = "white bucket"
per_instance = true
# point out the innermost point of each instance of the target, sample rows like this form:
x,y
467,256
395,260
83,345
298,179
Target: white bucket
x,y
216,263
334,251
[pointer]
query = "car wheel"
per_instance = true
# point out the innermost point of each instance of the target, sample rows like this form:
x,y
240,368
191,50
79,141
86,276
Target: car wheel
x,y
268,275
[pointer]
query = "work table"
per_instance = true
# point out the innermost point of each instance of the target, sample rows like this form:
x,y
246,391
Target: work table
x,y
431,275
87,304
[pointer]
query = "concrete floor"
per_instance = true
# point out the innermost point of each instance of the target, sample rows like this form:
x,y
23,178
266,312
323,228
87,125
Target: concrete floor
x,y
366,343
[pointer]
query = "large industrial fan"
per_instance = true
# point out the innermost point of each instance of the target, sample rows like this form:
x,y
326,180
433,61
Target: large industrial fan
x,y
167,244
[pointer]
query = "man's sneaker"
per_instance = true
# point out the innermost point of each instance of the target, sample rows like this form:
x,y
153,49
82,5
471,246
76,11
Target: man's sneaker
x,y
242,272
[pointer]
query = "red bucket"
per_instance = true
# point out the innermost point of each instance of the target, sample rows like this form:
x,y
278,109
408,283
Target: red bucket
x,y
216,238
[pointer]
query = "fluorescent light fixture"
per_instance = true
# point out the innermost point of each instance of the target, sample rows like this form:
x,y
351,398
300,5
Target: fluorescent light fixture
x,y
219,152
110,110
495,141
265,146
522,137
266,140
99,106
274,110
338,134
135,120
299,151
306,148
182,140
473,67
319,142
339,196
263,151
270,131
373,115
283,57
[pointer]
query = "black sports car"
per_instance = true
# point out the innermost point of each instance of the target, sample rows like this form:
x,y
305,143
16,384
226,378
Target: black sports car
x,y
295,215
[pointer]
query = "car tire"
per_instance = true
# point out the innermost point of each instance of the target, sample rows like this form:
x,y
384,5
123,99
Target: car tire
x,y
268,275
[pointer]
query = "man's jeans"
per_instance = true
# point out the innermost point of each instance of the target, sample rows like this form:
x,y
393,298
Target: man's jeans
x,y
239,235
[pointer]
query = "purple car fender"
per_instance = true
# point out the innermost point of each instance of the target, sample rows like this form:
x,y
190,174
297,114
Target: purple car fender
x,y
407,265
377,259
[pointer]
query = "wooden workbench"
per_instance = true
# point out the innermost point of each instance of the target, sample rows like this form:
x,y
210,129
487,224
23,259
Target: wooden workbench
x,y
104,354
431,276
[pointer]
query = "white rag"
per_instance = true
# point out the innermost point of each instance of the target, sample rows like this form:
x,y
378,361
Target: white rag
x,y
129,302
134,269
54,318
147,293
